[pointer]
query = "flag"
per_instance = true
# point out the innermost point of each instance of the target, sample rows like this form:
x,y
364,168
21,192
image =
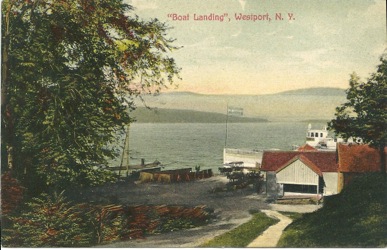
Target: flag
x,y
234,111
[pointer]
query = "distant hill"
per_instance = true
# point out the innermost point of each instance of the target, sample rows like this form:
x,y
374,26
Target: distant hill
x,y
319,91
315,92
185,93
144,115
295,105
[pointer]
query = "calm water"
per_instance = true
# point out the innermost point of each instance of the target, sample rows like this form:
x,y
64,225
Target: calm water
x,y
190,144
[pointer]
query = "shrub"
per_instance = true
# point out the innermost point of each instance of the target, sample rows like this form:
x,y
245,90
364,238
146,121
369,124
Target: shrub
x,y
11,193
49,221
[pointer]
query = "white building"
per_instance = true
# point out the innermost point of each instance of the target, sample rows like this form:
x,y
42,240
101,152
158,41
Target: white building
x,y
311,172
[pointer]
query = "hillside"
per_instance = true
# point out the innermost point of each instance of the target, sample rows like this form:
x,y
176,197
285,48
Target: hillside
x,y
144,115
315,92
354,218
304,104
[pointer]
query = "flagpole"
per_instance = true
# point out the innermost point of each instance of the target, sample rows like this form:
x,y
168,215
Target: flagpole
x,y
225,141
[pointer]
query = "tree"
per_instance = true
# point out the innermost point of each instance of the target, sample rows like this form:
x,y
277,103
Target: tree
x,y
70,72
364,115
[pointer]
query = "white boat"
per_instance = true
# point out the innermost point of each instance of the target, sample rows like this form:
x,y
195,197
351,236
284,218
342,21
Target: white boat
x,y
320,139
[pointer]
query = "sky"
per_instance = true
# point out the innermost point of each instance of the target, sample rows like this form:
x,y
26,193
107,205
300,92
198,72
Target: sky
x,y
317,43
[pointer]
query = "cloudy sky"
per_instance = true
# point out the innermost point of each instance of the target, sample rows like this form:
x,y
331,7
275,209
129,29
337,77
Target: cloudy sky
x,y
321,45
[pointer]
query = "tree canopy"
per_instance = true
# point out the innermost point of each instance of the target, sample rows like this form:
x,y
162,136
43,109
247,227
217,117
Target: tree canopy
x,y
70,72
364,115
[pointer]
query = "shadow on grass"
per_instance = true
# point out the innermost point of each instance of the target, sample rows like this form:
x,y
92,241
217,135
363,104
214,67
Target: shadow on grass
x,y
244,234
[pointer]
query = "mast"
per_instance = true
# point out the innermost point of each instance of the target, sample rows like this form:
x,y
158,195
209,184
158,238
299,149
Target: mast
x,y
125,154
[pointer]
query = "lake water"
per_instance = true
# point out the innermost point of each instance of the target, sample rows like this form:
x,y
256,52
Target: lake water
x,y
189,144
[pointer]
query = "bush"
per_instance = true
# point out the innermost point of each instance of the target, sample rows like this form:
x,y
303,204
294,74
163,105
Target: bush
x,y
49,221
11,194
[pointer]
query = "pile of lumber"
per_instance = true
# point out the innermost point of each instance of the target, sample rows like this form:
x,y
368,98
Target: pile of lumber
x,y
177,175
117,222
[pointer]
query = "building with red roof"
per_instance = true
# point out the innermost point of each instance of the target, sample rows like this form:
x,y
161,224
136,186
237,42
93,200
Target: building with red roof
x,y
307,147
318,172
301,171
354,160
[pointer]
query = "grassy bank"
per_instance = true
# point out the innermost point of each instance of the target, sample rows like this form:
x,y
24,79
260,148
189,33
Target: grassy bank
x,y
244,234
354,218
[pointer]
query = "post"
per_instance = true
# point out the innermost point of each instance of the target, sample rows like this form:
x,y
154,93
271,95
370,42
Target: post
x,y
225,142
125,154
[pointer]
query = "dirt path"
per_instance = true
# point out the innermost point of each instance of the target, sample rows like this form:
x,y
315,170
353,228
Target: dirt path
x,y
271,236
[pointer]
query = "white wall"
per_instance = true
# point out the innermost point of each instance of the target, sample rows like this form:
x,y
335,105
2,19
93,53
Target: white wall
x,y
297,173
331,182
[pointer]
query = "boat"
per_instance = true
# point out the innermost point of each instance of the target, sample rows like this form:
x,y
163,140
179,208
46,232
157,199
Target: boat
x,y
321,140
141,166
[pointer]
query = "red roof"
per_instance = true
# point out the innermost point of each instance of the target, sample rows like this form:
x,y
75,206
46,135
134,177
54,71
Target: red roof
x,y
317,160
307,147
303,159
358,158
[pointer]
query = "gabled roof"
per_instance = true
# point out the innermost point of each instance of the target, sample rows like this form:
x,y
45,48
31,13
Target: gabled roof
x,y
324,161
358,158
306,147
304,160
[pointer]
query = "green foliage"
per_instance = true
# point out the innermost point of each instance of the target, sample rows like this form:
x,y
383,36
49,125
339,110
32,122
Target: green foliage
x,y
12,194
72,70
49,222
244,234
364,115
173,224
354,218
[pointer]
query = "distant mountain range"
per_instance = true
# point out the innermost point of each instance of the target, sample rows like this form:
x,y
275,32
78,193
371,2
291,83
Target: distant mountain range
x,y
315,92
320,91
157,115
295,105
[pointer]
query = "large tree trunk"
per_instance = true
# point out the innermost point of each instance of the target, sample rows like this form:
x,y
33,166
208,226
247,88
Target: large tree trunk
x,y
382,160
7,124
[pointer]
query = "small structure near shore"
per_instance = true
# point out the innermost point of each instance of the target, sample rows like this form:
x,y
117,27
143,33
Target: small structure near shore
x,y
300,172
318,173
